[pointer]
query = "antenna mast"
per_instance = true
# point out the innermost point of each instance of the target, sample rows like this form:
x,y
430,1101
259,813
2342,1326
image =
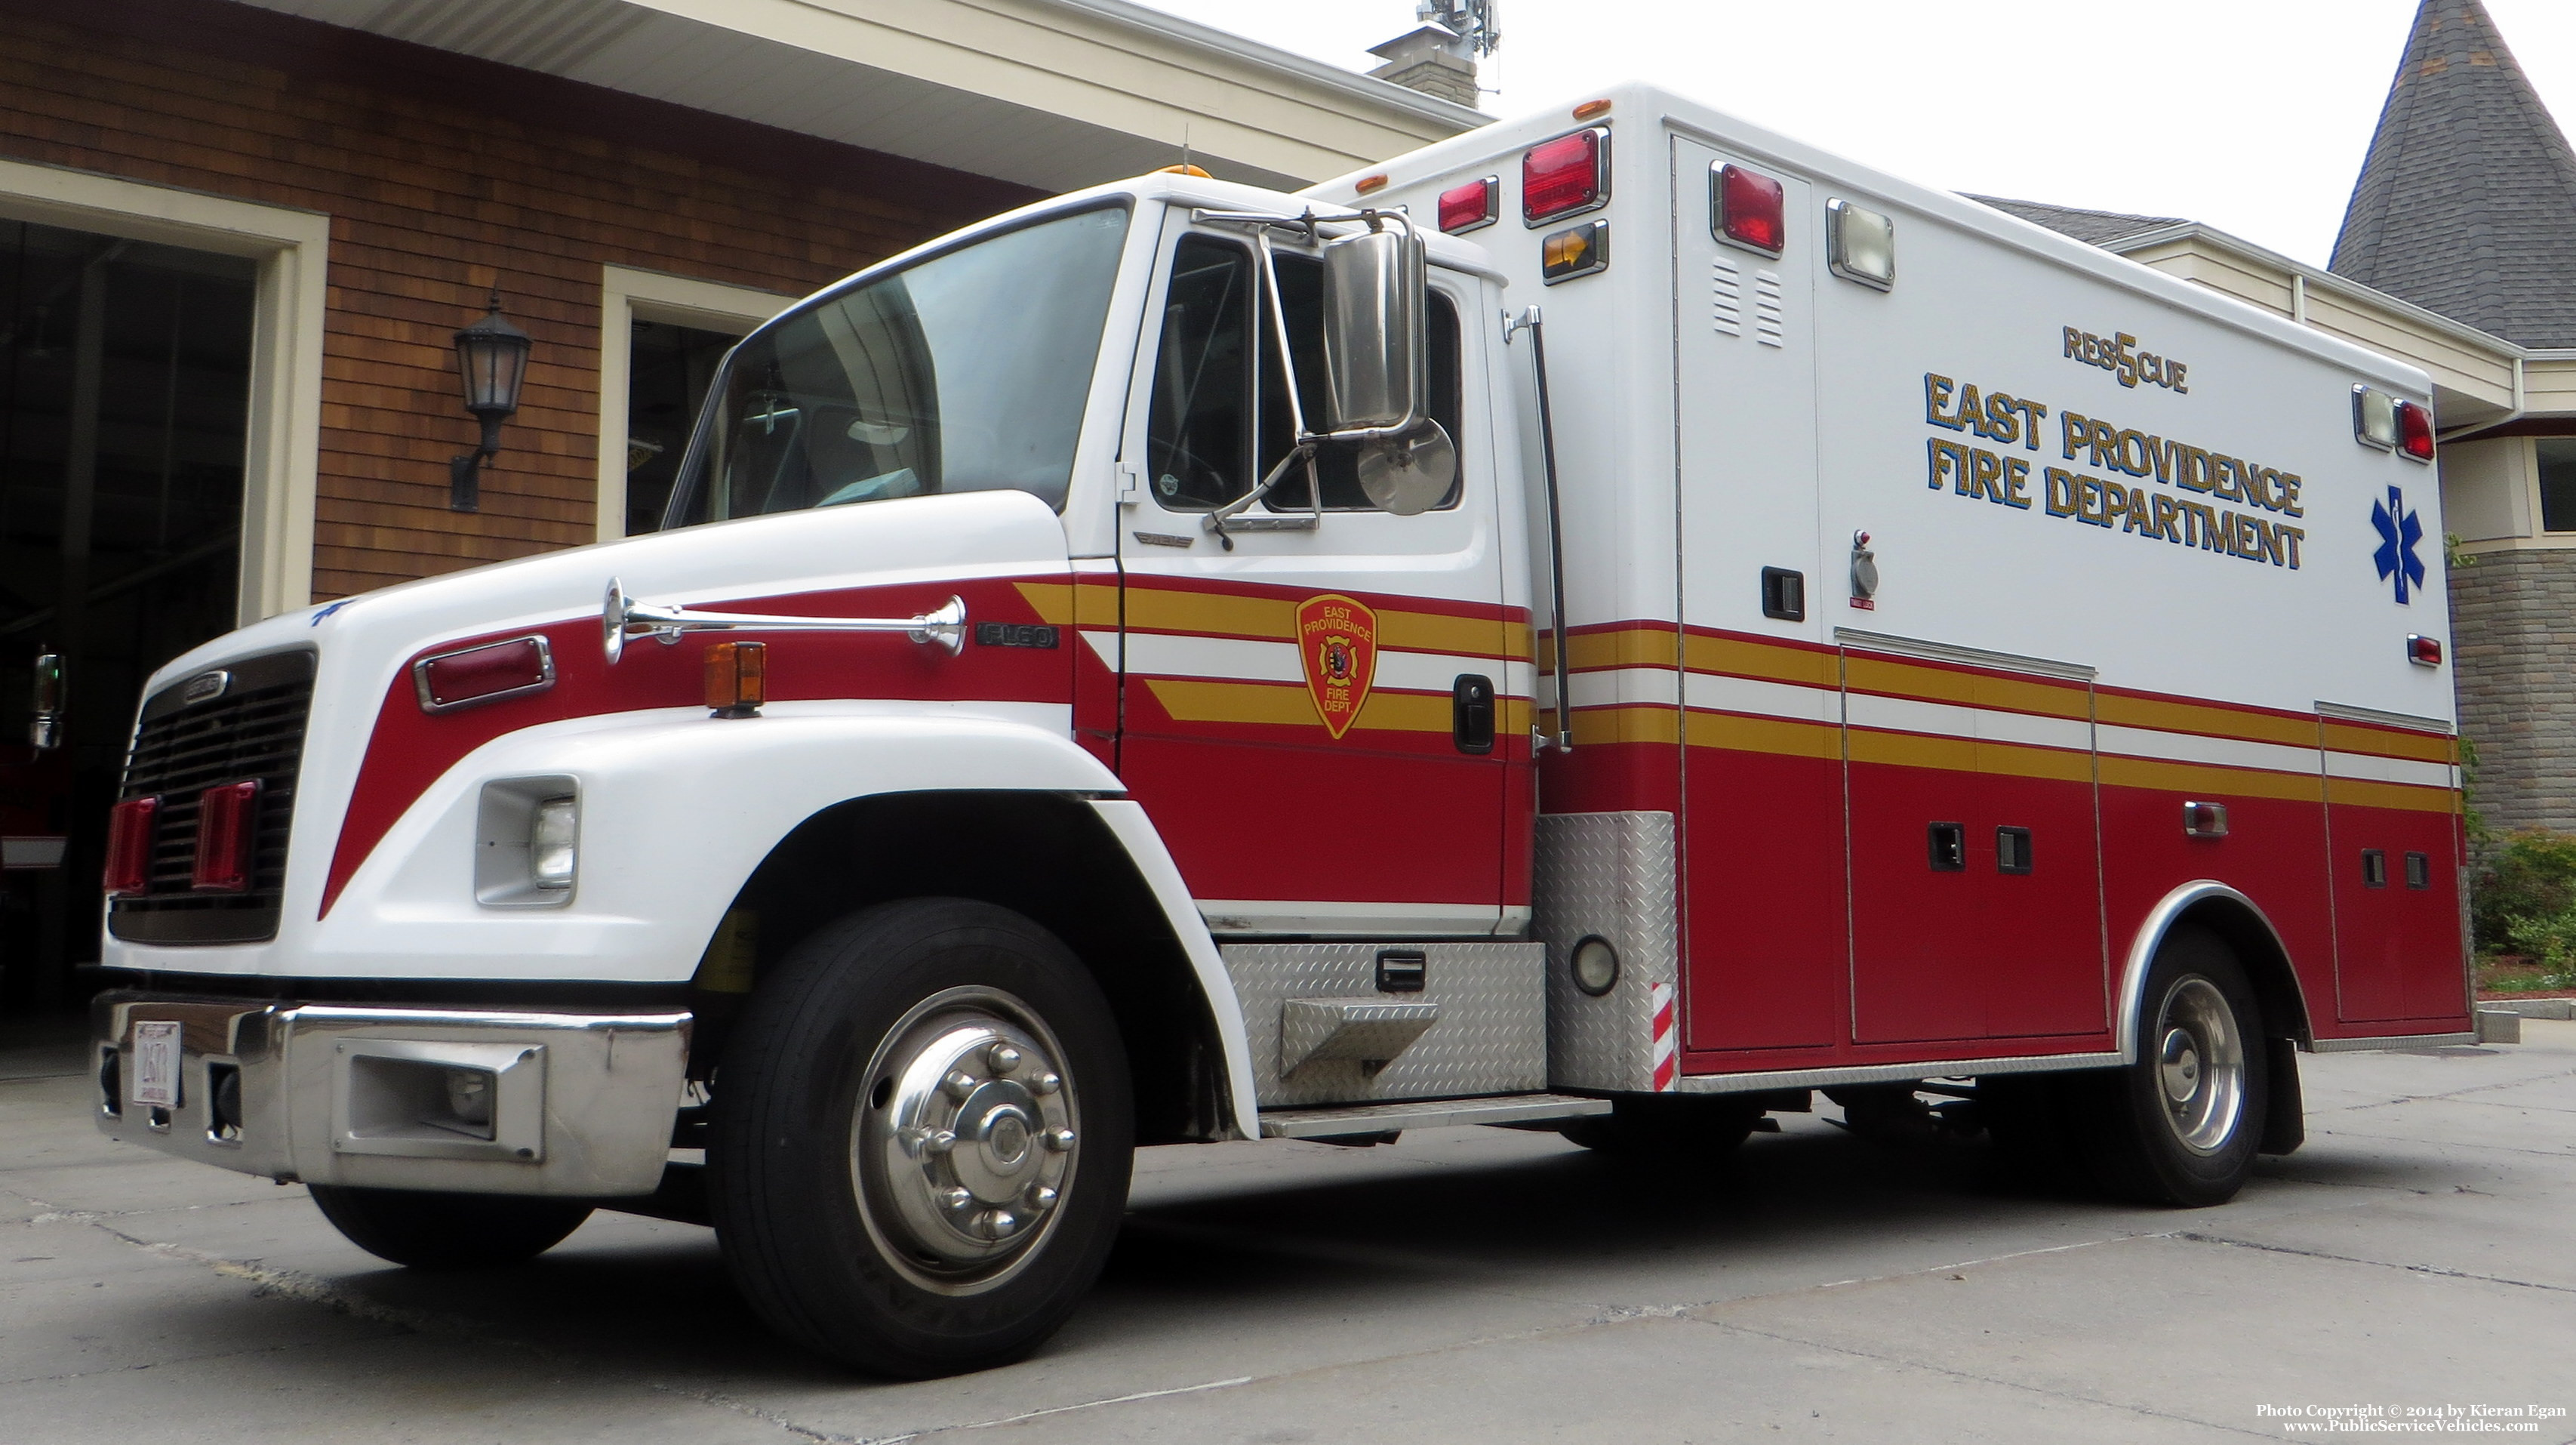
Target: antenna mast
x,y
1472,21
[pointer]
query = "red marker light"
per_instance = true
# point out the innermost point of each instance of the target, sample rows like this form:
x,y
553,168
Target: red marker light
x,y
129,847
1568,174
1752,209
481,674
2423,651
1470,207
2415,430
227,837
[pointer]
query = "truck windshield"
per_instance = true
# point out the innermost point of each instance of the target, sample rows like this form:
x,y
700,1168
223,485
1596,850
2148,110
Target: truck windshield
x,y
965,372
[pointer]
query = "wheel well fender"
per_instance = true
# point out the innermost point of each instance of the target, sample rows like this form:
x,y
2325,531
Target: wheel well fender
x,y
2242,925
1054,858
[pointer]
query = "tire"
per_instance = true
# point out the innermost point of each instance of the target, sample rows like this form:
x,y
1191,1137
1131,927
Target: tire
x,y
1667,1129
427,1230
2181,1124
923,1134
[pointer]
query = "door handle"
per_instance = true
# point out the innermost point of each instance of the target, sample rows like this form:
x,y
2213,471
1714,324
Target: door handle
x,y
1471,713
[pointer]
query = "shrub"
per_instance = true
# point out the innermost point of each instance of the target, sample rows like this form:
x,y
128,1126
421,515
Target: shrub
x,y
2523,898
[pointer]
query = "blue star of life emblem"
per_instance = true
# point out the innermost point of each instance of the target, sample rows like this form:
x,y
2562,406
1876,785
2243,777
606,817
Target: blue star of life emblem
x,y
2399,532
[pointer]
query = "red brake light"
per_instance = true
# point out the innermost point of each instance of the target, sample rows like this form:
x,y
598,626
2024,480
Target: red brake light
x,y
1568,174
1752,209
227,837
129,847
2423,651
482,674
1470,207
2415,430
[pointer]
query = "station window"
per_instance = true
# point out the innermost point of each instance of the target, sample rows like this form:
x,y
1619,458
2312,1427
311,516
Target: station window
x,y
2557,484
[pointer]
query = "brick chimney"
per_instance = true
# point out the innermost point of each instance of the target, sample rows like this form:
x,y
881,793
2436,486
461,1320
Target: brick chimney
x,y
1432,60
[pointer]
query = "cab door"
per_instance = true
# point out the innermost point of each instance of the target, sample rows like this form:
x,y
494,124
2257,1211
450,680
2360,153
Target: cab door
x,y
1313,707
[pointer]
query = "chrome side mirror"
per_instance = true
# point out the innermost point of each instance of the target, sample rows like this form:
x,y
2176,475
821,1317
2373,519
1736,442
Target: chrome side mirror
x,y
1377,360
45,732
1376,356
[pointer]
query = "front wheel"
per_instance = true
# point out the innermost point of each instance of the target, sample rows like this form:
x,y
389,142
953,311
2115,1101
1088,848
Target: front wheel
x,y
2180,1125
922,1139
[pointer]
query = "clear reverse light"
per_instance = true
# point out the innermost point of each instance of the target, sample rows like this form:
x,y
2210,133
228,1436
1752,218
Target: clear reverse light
x,y
1861,244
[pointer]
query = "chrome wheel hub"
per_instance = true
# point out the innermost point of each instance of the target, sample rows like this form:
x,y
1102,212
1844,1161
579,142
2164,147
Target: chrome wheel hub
x,y
2200,1066
965,1139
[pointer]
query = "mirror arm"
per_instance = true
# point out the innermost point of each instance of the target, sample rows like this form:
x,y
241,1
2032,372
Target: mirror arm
x,y
1304,450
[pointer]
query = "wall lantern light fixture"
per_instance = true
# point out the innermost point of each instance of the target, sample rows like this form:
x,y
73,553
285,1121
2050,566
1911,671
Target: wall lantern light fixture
x,y
492,358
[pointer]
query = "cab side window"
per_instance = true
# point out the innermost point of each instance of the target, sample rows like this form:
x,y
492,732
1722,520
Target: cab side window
x,y
1198,451
1218,387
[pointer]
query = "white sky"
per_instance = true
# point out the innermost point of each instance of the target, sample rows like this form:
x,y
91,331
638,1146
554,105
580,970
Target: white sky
x,y
2250,115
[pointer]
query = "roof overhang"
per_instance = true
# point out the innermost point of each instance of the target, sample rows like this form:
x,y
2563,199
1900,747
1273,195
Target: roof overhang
x,y
1053,94
2479,380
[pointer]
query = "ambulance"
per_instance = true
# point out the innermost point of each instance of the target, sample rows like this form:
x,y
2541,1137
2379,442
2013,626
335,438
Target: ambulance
x,y
1618,622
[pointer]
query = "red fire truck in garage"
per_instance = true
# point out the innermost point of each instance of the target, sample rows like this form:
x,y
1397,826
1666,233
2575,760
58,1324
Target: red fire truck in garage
x,y
1614,622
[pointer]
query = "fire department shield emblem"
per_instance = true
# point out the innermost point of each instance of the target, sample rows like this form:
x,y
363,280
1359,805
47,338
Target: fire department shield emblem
x,y
1337,640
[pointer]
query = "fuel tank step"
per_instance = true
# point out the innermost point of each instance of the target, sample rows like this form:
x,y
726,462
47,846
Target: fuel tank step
x,y
1426,1114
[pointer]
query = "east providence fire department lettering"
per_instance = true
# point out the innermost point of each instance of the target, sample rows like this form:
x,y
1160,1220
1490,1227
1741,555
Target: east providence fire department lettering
x,y
1180,662
2004,480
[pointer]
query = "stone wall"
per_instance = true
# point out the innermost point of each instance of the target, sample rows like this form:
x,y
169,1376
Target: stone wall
x,y
2513,626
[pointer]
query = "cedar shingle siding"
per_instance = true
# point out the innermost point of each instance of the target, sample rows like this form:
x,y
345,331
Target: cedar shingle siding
x,y
433,201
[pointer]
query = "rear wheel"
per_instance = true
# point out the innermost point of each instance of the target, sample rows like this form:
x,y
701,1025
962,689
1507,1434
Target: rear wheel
x,y
2180,1124
428,1230
922,1139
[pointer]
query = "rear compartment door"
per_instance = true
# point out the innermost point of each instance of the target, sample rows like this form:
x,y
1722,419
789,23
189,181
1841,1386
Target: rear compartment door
x,y
2393,852
1975,847
1762,804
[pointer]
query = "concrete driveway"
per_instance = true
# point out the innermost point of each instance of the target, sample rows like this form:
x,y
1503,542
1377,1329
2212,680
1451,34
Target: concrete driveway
x,y
1468,1285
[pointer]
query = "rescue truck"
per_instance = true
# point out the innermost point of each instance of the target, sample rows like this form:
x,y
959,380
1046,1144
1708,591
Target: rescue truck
x,y
1615,622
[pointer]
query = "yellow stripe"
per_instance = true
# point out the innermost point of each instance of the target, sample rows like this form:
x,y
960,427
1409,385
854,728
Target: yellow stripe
x,y
1269,619
1233,702
1873,674
1969,755
1756,659
1781,737
1069,603
1221,613
1190,700
1438,632
2387,743
1633,647
2218,722
2363,793
1598,725
2218,783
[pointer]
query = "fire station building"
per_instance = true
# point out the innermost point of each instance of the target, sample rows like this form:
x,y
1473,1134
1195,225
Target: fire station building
x,y
237,241
2458,254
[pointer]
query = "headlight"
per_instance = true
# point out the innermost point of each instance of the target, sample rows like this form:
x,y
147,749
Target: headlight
x,y
527,837
554,835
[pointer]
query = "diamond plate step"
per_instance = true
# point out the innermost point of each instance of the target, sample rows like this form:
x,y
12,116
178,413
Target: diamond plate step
x,y
1426,1114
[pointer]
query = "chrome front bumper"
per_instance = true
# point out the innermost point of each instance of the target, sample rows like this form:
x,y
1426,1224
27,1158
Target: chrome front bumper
x,y
471,1101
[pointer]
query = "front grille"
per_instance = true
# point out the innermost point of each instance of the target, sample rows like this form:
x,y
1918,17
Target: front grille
x,y
253,728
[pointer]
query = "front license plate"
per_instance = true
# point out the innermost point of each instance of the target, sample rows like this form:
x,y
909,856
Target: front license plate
x,y
156,1063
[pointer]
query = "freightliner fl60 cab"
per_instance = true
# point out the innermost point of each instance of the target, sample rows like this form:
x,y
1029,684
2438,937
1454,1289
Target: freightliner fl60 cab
x,y
1615,622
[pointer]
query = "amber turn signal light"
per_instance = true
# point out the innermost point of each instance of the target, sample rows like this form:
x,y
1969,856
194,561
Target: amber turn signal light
x,y
737,678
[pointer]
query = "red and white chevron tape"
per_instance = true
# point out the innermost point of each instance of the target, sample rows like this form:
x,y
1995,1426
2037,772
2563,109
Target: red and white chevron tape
x,y
1666,1055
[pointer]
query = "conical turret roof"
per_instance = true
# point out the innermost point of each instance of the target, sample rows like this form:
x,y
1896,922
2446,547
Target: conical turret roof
x,y
2467,202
